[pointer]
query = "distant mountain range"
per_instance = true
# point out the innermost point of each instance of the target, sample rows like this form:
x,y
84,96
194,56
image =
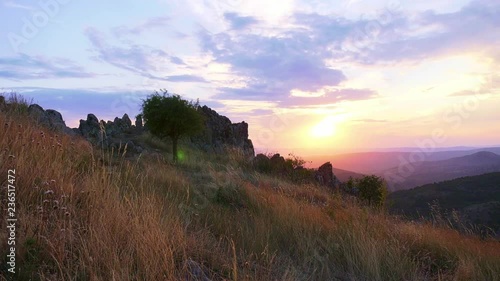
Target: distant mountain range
x,y
404,170
376,162
476,197
420,173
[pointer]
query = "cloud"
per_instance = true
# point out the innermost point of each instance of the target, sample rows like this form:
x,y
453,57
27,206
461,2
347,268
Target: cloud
x,y
135,58
185,78
149,24
25,67
370,121
261,112
404,37
270,66
239,22
140,59
143,60
331,97
307,55
176,60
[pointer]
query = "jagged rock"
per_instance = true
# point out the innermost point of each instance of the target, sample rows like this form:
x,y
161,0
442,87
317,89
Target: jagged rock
x,y
126,123
123,124
90,128
138,122
38,113
49,118
113,135
240,137
220,133
325,175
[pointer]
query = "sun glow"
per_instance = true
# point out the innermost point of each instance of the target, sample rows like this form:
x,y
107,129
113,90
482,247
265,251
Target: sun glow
x,y
325,128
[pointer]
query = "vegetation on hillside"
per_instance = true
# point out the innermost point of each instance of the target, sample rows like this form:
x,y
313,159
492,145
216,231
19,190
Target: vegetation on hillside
x,y
88,215
370,189
467,202
171,116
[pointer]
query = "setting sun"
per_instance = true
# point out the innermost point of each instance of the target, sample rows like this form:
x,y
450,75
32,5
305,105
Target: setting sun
x,y
325,128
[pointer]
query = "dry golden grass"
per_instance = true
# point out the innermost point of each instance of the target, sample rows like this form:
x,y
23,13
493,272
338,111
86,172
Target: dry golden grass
x,y
87,215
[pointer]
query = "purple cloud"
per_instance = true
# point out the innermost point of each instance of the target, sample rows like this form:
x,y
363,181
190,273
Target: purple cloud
x,y
156,22
27,67
239,22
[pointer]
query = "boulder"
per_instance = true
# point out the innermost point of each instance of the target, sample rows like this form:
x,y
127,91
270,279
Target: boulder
x,y
324,175
94,131
49,118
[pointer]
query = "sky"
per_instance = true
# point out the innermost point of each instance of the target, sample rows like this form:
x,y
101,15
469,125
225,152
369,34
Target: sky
x,y
310,77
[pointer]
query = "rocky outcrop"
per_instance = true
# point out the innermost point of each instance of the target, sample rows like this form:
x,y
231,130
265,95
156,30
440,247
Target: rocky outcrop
x,y
278,165
116,134
324,175
49,118
220,133
138,123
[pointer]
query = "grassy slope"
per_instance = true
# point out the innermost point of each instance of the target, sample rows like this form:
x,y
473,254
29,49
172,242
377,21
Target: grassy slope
x,y
114,219
478,197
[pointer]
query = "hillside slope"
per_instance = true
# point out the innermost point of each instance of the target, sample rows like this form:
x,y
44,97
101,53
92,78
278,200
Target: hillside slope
x,y
476,197
344,175
421,173
87,215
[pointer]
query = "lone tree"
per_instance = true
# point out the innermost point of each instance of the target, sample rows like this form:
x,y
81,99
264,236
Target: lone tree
x,y
372,189
171,116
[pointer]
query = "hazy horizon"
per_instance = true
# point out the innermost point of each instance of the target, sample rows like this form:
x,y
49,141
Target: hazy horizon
x,y
308,76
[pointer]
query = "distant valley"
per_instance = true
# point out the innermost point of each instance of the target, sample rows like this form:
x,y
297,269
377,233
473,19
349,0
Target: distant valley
x,y
416,174
403,170
476,197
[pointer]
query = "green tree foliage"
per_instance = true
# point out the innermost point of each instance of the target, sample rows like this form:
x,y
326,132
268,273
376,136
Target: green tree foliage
x,y
171,116
372,189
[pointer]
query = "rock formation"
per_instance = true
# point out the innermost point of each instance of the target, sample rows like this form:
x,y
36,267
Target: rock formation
x,y
110,135
220,133
49,118
325,176
278,165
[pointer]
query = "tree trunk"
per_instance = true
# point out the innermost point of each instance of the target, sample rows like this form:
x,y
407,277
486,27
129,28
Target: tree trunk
x,y
174,149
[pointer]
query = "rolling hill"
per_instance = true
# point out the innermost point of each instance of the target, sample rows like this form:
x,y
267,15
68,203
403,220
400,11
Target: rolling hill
x,y
476,197
344,175
420,173
376,162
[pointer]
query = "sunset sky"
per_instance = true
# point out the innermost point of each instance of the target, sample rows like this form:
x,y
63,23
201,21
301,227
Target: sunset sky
x,y
309,76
